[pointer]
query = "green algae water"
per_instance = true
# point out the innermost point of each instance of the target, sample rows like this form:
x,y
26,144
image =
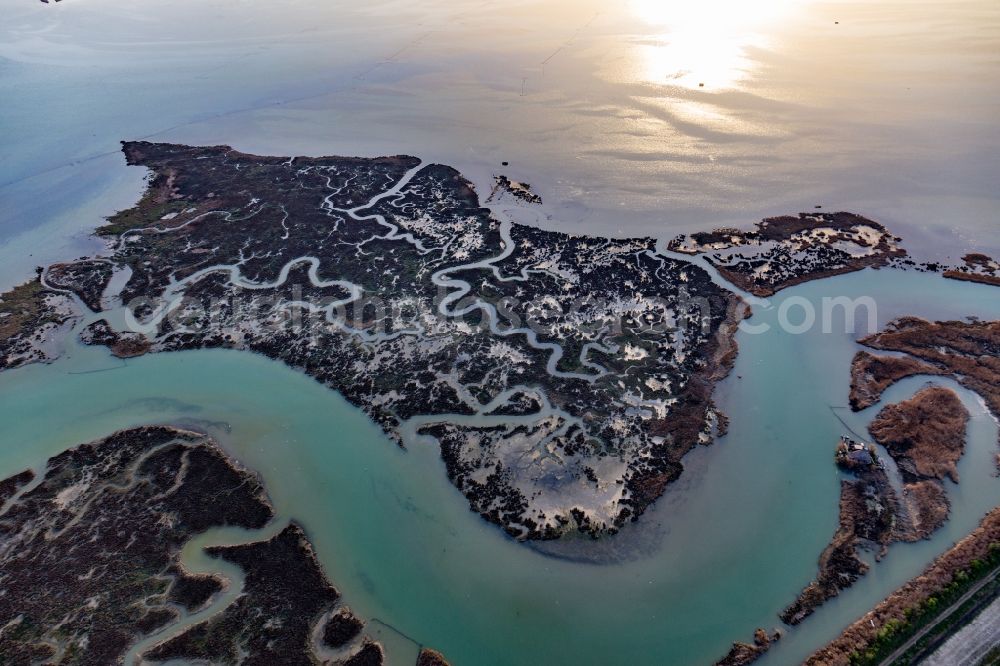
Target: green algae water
x,y
728,546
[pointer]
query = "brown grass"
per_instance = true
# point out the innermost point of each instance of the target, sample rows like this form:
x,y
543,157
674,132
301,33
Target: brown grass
x,y
871,375
925,434
935,578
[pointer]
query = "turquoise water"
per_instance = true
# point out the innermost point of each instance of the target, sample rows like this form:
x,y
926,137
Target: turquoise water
x,y
725,549
616,146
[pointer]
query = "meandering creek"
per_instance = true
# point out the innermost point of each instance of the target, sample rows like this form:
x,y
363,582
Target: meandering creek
x,y
722,552
614,148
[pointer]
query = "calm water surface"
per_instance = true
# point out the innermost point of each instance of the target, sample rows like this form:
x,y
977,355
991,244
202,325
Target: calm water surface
x,y
885,108
727,547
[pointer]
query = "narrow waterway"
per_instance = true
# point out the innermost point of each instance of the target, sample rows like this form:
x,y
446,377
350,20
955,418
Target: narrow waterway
x,y
726,548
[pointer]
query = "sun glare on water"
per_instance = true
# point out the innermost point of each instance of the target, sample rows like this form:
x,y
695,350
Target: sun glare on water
x,y
706,42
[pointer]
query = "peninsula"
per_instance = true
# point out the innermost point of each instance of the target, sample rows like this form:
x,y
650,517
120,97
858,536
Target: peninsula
x,y
788,250
386,280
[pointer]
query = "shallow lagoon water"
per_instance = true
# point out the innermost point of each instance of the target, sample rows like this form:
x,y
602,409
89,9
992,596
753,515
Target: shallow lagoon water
x,y
725,549
884,108
890,112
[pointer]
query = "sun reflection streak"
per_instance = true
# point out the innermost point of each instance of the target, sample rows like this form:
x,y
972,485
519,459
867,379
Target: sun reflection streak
x,y
706,42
